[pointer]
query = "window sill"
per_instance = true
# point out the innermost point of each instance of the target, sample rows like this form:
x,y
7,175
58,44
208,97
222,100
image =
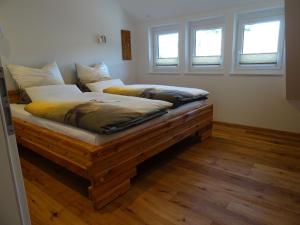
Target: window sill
x,y
256,74
164,73
205,73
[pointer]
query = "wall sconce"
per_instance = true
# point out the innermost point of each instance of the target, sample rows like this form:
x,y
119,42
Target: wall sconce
x,y
101,39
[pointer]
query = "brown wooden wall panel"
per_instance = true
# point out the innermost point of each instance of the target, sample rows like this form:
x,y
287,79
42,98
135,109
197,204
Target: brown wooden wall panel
x,y
292,32
126,44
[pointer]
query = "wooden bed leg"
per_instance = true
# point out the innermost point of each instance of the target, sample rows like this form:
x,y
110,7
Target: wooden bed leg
x,y
204,133
207,134
103,192
105,198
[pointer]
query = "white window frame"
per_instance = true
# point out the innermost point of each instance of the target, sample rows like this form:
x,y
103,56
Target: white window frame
x,y
153,47
261,16
205,24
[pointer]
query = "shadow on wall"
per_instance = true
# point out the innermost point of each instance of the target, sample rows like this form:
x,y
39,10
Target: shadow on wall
x,y
4,49
4,45
69,73
295,104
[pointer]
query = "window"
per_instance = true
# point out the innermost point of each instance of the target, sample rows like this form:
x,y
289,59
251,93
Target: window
x,y
206,44
167,49
260,40
165,44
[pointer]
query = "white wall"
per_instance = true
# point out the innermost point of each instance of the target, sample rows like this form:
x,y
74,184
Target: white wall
x,y
41,31
249,100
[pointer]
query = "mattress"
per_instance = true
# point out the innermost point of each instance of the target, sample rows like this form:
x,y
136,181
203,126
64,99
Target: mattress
x,y
90,137
193,91
101,85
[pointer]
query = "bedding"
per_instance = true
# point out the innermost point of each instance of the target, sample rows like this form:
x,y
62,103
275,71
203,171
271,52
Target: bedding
x,y
92,137
82,86
87,74
175,95
101,85
28,77
66,92
103,117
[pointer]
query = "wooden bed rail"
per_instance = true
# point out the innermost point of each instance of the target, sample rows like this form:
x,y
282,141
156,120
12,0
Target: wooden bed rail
x,y
14,96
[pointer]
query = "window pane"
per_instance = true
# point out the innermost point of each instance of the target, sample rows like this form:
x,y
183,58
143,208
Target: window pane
x,y
261,58
168,45
167,61
206,60
261,38
209,42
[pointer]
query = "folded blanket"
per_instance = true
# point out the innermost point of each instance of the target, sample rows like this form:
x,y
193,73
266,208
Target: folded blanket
x,y
101,117
175,95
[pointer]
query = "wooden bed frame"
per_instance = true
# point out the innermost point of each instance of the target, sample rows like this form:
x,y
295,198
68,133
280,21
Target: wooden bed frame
x,y
109,167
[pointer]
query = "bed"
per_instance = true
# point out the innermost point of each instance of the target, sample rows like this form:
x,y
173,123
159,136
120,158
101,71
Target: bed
x,y
109,162
176,95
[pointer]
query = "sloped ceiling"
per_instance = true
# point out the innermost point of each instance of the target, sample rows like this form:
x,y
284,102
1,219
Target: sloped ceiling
x,y
155,9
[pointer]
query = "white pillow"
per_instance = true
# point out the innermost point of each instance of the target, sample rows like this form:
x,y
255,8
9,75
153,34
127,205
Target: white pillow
x,y
101,85
54,93
88,74
30,77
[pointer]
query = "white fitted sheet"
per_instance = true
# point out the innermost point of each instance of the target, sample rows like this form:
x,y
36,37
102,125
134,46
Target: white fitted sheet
x,y
192,91
90,137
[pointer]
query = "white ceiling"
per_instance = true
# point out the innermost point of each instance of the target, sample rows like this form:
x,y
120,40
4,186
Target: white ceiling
x,y
154,9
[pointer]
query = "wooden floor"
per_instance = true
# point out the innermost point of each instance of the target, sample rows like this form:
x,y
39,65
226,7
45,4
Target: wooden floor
x,y
240,176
